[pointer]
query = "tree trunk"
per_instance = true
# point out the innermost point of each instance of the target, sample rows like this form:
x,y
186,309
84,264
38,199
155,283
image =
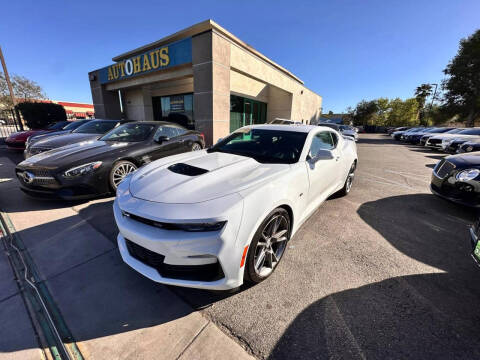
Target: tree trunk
x,y
471,118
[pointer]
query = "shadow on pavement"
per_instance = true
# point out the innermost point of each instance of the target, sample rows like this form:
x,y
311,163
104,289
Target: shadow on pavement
x,y
432,315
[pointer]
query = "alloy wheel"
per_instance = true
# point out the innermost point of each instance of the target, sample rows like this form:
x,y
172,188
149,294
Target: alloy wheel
x,y
196,147
271,245
122,170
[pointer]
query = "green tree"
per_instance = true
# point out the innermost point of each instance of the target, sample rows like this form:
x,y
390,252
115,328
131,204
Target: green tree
x,y
462,86
23,88
422,92
365,113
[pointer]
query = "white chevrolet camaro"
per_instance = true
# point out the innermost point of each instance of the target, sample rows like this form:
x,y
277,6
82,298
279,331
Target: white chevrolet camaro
x,y
215,218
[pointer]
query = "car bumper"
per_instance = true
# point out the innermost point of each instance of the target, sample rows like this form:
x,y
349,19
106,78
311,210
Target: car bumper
x,y
204,260
456,196
15,145
84,187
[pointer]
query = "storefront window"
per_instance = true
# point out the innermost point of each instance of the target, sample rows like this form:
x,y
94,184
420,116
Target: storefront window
x,y
244,111
175,108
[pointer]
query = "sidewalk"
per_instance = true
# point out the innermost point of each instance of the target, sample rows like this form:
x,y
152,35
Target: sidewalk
x,y
111,311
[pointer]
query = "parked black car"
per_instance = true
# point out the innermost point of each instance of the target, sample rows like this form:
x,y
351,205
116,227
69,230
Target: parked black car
x,y
93,168
469,146
68,128
92,130
454,146
426,137
457,178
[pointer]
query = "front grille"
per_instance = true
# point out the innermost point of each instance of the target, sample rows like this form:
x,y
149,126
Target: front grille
x,y
207,272
443,169
41,177
434,141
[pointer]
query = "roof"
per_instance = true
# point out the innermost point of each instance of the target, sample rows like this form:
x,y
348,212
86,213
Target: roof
x,y
198,29
293,128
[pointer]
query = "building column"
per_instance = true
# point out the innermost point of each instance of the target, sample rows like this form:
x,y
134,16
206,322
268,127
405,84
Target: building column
x,y
211,83
106,103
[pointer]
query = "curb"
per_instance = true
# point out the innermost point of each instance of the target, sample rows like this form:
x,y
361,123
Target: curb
x,y
51,329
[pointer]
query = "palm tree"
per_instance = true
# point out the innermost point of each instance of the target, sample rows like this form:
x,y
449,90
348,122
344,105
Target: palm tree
x,y
421,93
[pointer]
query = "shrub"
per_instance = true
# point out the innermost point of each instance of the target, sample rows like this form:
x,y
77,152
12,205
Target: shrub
x,y
38,115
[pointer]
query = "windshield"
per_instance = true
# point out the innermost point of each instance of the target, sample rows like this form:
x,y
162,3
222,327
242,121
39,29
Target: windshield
x,y
130,133
454,131
265,146
57,126
75,124
474,131
332,126
96,127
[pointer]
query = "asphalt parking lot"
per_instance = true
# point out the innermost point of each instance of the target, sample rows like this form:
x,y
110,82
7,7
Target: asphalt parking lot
x,y
382,273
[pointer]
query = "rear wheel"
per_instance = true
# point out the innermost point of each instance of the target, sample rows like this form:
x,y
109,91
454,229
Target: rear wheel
x,y
196,147
119,171
349,181
268,246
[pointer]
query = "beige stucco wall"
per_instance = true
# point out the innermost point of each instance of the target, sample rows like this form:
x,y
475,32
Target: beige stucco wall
x,y
286,96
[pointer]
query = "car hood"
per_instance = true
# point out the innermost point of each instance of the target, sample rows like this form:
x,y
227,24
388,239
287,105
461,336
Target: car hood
x,y
24,134
43,136
444,136
223,174
466,137
74,154
58,141
465,160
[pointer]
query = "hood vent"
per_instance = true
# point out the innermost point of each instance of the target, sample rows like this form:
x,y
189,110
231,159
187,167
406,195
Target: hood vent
x,y
185,169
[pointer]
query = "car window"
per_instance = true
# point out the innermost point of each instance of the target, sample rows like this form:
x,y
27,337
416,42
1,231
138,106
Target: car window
x,y
473,131
168,131
129,133
96,127
321,140
265,146
75,124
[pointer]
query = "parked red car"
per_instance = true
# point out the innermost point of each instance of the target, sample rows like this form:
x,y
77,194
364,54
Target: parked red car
x,y
16,141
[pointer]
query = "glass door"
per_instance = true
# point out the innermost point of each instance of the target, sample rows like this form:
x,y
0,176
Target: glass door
x,y
247,112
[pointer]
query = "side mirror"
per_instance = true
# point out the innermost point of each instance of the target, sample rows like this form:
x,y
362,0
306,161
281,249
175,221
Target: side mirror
x,y
161,139
322,154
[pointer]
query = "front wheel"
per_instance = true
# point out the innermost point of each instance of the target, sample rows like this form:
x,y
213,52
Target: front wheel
x,y
119,171
268,246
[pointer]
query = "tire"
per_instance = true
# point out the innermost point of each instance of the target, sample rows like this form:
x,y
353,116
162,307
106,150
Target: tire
x,y
119,170
195,147
257,270
349,181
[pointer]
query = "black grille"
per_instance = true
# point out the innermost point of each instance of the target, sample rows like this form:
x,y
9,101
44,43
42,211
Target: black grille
x,y
208,272
434,141
444,168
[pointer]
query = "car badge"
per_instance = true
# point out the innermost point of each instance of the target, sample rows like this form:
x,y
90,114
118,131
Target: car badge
x,y
28,177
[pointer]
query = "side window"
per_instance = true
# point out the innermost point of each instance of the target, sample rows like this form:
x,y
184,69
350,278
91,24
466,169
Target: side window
x,y
322,140
335,139
167,131
180,131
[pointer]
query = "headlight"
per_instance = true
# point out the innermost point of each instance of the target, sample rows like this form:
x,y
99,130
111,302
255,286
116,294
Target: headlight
x,y
214,226
468,174
469,148
82,169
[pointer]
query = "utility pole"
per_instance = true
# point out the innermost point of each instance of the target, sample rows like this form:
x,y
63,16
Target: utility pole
x,y
10,89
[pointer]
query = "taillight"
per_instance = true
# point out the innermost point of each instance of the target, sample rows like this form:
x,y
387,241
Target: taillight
x,y
202,136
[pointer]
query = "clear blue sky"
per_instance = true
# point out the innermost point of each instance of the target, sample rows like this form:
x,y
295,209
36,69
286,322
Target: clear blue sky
x,y
345,51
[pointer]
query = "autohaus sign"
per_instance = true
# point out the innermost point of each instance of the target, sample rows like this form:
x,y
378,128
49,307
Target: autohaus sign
x,y
176,53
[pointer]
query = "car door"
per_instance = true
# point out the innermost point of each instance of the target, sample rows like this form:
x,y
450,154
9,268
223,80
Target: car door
x,y
171,144
323,174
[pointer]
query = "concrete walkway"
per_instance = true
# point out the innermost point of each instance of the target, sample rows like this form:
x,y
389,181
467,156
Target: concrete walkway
x,y
111,311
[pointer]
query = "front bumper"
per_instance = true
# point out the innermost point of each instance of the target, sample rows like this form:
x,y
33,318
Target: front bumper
x,y
204,260
15,145
456,195
53,186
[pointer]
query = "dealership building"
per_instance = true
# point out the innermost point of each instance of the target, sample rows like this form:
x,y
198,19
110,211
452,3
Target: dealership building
x,y
203,78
